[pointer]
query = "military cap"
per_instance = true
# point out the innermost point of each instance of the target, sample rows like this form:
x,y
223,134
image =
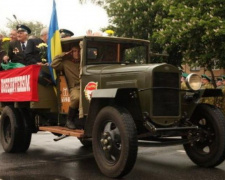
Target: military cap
x,y
65,33
219,78
21,27
184,75
205,77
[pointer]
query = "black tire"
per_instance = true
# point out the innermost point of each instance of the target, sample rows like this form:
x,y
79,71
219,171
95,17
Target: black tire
x,y
14,137
209,149
25,140
114,128
26,130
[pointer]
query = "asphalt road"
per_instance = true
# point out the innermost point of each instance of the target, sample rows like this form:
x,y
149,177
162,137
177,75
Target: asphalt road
x,y
68,160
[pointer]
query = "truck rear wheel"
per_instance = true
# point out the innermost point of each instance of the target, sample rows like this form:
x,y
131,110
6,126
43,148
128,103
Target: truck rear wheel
x,y
209,148
114,139
14,137
26,130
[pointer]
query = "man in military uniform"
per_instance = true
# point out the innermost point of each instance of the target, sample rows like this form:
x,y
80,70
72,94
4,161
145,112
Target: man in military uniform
x,y
220,101
207,85
183,78
17,48
65,33
69,63
219,83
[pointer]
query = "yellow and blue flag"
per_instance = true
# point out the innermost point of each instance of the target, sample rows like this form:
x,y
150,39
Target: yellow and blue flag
x,y
54,43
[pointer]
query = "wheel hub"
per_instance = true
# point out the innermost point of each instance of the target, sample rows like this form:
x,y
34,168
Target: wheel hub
x,y
106,141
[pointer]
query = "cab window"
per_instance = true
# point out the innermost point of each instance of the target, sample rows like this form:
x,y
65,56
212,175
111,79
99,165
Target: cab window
x,y
115,53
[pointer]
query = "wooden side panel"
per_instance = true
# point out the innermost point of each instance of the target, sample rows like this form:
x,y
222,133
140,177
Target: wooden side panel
x,y
64,95
47,95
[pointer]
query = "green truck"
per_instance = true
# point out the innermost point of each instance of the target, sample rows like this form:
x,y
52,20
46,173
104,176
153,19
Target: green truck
x,y
125,99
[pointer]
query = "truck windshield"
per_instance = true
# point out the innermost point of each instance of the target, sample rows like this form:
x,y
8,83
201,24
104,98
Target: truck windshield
x,y
116,53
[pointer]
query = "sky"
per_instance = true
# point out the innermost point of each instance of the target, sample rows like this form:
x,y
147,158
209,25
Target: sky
x,y
71,14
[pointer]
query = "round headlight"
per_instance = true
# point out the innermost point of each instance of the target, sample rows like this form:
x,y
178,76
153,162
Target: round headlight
x,y
193,81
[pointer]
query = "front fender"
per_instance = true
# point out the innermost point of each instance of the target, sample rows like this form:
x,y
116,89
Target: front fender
x,y
210,92
190,99
190,96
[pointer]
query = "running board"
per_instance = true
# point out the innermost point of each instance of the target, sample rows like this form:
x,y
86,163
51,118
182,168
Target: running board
x,y
155,130
177,128
63,130
169,142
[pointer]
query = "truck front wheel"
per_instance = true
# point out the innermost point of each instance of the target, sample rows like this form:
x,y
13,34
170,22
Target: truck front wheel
x,y
114,139
208,150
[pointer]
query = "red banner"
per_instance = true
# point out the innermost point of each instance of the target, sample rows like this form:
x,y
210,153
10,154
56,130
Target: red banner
x,y
19,84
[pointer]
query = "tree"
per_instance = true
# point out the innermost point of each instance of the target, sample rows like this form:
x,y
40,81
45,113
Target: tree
x,y
197,29
35,26
129,18
98,2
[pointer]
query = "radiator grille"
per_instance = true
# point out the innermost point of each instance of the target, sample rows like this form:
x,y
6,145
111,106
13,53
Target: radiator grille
x,y
165,100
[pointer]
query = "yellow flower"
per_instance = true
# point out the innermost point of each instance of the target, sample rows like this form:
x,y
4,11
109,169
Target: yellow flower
x,y
43,60
5,44
42,45
43,52
109,32
6,39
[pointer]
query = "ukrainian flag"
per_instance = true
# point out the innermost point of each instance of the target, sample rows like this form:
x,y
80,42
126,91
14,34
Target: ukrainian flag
x,y
54,43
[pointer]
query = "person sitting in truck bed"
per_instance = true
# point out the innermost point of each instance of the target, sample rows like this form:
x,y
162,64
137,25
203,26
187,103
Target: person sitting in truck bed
x,y
69,63
32,52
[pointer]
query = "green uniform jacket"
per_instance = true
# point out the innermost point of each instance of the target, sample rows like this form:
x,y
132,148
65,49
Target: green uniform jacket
x,y
64,63
183,86
220,101
208,100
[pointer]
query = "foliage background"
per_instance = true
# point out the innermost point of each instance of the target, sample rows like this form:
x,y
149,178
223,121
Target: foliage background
x,y
35,27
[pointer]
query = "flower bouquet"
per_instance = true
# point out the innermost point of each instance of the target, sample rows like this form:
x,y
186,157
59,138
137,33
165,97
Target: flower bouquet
x,y
43,52
5,45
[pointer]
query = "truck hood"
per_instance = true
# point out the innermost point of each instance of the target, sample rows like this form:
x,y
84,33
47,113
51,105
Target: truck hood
x,y
122,76
119,68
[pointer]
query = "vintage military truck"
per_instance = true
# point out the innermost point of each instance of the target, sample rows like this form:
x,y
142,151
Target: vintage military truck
x,y
124,99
